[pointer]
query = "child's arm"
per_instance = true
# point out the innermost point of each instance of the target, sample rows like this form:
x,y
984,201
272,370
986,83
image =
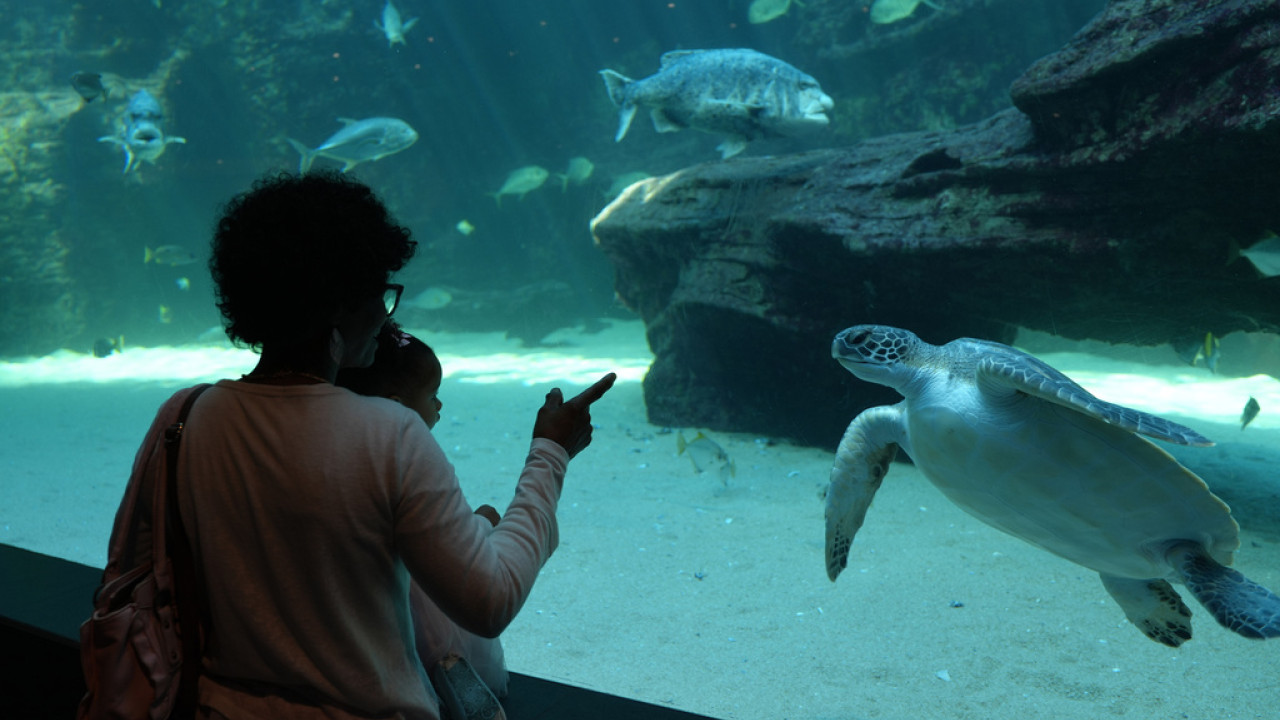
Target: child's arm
x,y
489,513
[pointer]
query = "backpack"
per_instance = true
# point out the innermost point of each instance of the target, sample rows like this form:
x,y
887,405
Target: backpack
x,y
146,612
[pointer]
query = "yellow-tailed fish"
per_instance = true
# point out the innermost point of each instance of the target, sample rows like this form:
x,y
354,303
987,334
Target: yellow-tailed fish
x,y
705,453
1211,351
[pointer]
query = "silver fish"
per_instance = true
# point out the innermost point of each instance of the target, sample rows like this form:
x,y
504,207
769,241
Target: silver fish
x,y
392,26
359,141
142,137
624,181
888,11
762,11
1264,255
742,95
580,168
704,453
172,255
521,182
432,298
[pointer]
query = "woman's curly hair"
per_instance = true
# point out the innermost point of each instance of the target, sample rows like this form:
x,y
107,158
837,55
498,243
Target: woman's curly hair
x,y
294,249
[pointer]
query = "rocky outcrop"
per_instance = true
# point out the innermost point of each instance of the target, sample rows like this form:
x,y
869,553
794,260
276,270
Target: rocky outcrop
x,y
1105,205
934,70
37,293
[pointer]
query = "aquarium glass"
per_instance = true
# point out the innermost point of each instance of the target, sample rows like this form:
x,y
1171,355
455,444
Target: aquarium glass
x,y
690,570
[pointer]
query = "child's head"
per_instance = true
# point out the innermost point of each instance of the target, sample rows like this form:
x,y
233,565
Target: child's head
x,y
405,369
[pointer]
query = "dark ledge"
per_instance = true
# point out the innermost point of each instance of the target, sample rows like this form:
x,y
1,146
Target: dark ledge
x,y
44,599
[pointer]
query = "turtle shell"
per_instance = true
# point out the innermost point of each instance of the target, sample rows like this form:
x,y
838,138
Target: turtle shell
x,y
1062,479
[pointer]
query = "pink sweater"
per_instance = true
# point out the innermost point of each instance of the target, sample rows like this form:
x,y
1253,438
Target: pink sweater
x,y
309,507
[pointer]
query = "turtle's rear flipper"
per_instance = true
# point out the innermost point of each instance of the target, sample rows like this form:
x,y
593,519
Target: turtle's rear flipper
x,y
1153,606
1238,603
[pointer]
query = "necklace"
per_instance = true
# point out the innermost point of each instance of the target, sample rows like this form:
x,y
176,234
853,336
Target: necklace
x,y
282,375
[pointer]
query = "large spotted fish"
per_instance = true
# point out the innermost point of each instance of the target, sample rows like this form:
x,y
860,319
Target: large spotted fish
x,y
742,95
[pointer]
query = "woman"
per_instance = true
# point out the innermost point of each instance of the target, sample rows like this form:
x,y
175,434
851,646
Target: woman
x,y
407,370
310,508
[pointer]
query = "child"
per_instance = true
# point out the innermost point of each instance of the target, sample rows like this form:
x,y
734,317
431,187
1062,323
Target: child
x,y
406,370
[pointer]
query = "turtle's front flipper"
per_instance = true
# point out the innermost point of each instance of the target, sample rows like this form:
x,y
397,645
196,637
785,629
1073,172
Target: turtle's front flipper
x,y
1153,606
1238,603
1003,366
868,446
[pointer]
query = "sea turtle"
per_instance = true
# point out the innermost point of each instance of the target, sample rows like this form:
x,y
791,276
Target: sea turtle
x,y
1023,448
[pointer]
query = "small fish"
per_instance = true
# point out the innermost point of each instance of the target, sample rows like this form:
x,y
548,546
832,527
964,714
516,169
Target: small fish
x,y
521,181
142,138
624,181
1264,255
577,173
888,11
739,94
102,347
1211,351
169,255
1251,409
762,11
183,283
165,315
89,85
392,26
704,452
465,227
433,298
359,141
212,335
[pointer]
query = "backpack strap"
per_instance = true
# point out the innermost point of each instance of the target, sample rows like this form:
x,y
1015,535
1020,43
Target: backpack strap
x,y
185,577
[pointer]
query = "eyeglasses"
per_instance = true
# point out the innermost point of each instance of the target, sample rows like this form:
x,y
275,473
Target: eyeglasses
x,y
391,297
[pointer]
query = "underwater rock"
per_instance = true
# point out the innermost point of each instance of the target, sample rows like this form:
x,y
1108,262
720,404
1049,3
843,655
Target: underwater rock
x,y
934,70
1105,206
38,304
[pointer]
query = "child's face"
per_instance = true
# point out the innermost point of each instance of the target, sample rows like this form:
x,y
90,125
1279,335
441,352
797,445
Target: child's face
x,y
423,398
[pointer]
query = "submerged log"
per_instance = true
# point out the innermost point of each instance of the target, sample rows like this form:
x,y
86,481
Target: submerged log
x,y
1106,204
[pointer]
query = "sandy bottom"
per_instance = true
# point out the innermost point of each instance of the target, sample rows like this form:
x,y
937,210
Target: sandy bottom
x,y
675,588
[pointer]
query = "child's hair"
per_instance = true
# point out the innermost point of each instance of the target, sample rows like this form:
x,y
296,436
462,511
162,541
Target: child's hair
x,y
396,366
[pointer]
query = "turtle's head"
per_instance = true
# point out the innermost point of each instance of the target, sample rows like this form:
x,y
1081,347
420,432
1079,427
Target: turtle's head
x,y
877,353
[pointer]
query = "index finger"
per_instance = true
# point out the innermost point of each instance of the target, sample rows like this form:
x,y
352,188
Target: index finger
x,y
595,392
